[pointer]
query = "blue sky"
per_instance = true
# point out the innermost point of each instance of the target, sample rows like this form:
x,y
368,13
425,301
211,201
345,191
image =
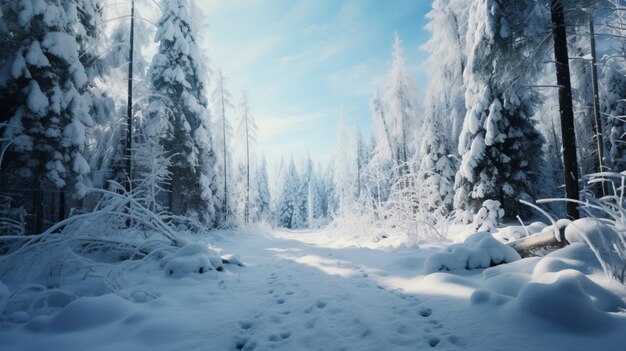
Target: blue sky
x,y
304,61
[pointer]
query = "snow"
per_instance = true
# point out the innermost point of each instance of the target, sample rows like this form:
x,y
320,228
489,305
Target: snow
x,y
480,250
316,290
194,258
37,101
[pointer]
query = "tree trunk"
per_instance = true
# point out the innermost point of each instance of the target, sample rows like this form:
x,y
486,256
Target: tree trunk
x,y
597,130
225,203
570,162
129,107
62,204
38,205
527,246
247,205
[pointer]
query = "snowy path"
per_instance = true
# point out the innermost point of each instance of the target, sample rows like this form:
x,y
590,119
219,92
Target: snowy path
x,y
295,295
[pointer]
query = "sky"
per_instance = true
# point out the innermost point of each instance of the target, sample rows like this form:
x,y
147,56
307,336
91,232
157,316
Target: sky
x,y
305,62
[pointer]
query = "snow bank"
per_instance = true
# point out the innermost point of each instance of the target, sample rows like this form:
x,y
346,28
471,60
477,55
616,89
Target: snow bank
x,y
84,313
565,302
480,250
192,258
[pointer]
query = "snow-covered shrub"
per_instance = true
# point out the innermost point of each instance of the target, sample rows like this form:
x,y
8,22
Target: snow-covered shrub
x,y
486,220
604,229
405,215
480,250
192,258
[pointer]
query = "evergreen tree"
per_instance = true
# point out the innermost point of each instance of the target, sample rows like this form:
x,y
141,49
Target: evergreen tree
x,y
315,212
614,110
344,167
445,93
288,203
437,167
42,91
402,116
499,143
178,113
262,200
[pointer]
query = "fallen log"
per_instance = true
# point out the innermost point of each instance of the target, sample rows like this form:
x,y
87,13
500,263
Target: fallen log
x,y
546,240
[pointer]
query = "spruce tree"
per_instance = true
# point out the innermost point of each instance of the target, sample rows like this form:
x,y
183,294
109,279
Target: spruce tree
x,y
46,112
178,113
500,147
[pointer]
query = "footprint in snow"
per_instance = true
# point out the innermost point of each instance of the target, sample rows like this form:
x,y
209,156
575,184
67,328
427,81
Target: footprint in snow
x,y
245,325
320,304
456,341
279,337
433,341
280,301
425,312
243,343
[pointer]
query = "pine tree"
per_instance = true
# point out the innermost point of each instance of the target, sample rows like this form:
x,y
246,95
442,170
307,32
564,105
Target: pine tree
x,y
344,167
178,113
445,93
437,167
288,202
402,117
614,110
42,89
499,143
262,198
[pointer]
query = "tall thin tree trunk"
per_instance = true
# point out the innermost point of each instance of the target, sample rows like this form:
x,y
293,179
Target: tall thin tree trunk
x,y
570,162
129,108
247,206
225,204
597,130
62,204
38,204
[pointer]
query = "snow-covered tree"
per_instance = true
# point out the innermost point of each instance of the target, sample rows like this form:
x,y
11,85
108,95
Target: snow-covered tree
x,y
437,167
178,113
445,93
499,144
246,135
344,175
403,116
286,212
45,121
614,110
221,102
262,198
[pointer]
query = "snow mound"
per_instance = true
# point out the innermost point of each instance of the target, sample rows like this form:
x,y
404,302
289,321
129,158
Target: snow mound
x,y
484,297
590,231
232,259
571,301
84,313
192,258
516,232
480,250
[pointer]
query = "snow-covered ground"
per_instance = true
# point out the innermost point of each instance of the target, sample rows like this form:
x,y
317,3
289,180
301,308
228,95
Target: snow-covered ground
x,y
317,290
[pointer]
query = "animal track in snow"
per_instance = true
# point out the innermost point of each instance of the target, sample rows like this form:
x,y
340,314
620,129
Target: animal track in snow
x,y
425,312
245,325
433,341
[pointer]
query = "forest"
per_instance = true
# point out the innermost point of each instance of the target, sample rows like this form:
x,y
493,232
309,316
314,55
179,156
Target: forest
x,y
482,208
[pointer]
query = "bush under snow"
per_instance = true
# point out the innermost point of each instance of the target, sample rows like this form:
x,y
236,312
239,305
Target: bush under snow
x,y
480,250
192,258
